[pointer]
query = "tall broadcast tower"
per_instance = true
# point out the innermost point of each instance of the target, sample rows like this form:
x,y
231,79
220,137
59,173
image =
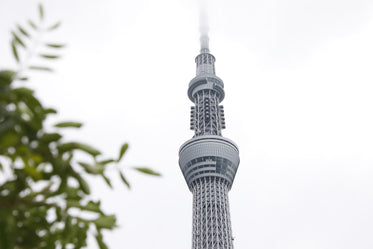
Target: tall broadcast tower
x,y
209,161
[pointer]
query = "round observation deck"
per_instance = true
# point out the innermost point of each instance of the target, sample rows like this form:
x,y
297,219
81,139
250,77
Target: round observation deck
x,y
209,156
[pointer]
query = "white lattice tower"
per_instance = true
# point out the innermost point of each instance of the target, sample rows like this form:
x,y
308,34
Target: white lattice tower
x,y
209,161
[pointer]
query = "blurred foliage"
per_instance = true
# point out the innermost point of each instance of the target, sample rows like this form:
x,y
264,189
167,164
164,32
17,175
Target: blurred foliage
x,y
45,198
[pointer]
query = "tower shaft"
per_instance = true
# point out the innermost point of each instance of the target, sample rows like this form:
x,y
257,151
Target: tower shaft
x,y
211,217
207,115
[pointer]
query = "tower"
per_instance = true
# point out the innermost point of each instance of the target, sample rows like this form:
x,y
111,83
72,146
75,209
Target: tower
x,y
209,161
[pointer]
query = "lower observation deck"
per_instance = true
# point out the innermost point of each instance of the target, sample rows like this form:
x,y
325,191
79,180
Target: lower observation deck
x,y
209,156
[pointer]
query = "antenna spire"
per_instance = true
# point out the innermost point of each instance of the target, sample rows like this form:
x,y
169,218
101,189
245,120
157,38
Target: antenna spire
x,y
204,43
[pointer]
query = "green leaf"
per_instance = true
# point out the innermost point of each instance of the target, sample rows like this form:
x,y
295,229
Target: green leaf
x,y
105,221
8,139
32,107
23,91
148,171
68,124
124,180
54,26
6,77
33,172
23,31
87,167
22,78
123,150
40,68
53,45
33,25
16,37
93,206
71,193
101,244
37,158
104,162
50,137
93,169
41,11
83,185
72,203
78,146
49,56
50,110
15,52
107,180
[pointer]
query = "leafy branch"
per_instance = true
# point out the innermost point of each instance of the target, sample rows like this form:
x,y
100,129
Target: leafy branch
x,y
43,189
27,41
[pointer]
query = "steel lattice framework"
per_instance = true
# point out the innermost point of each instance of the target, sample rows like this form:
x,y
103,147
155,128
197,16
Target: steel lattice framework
x,y
209,161
211,223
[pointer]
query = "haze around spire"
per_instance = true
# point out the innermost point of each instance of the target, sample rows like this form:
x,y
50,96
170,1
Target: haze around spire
x,y
204,26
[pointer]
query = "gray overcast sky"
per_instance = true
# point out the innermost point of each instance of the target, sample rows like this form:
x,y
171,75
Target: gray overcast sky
x,y
298,80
